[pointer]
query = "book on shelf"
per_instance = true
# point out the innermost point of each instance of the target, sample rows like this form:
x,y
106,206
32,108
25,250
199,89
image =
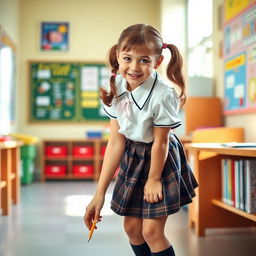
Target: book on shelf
x,y
239,183
251,186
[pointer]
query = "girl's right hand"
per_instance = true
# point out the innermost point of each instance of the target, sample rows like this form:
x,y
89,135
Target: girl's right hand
x,y
93,211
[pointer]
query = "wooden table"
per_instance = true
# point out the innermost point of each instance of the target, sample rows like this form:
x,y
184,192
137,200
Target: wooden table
x,y
9,175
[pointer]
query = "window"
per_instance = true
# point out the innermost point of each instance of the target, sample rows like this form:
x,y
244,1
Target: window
x,y
7,84
199,27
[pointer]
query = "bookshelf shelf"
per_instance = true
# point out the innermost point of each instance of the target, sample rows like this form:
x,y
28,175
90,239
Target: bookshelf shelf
x,y
244,214
207,210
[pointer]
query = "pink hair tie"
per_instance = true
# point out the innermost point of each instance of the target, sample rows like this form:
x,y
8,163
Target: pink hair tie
x,y
113,74
165,45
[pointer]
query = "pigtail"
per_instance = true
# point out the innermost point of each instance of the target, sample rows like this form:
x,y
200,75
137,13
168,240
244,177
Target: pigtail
x,y
107,97
174,71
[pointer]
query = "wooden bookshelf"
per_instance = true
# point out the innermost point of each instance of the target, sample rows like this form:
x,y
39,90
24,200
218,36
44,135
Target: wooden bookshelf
x,y
244,214
207,209
61,158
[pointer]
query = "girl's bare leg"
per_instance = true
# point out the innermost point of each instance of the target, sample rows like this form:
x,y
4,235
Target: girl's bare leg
x,y
133,228
153,233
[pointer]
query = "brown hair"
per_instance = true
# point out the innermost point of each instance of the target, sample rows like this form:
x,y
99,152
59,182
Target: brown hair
x,y
137,35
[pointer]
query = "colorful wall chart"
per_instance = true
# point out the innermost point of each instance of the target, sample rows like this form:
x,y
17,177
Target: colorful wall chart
x,y
240,57
66,91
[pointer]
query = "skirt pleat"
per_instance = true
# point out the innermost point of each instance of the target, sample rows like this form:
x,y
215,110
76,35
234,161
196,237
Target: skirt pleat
x,y
177,179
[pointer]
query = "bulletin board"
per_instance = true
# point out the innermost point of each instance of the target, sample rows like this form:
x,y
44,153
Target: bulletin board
x,y
240,56
66,91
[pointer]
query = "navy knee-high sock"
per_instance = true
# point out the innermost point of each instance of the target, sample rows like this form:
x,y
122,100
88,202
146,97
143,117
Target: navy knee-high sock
x,y
141,250
167,252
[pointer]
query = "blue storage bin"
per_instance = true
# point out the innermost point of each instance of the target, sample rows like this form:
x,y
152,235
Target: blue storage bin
x,y
94,134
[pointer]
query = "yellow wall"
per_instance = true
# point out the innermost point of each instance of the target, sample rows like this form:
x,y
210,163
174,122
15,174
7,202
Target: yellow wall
x,y
9,17
95,26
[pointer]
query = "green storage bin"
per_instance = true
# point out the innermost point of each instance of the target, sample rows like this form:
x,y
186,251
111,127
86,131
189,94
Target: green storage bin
x,y
27,171
28,151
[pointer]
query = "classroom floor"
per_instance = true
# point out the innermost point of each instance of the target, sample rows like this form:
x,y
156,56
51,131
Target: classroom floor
x,y
48,222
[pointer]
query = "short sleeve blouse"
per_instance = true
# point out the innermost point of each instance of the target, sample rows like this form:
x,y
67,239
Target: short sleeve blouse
x,y
153,103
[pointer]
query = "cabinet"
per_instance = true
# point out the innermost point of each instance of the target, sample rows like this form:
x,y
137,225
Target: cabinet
x,y
207,209
72,159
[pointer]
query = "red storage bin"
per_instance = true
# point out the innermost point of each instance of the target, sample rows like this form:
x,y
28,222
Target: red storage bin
x,y
103,149
83,151
56,150
83,170
55,170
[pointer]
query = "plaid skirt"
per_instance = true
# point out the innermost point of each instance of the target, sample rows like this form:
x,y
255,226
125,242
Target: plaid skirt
x,y
177,179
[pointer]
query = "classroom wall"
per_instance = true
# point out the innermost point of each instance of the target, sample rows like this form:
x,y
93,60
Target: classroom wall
x,y
247,121
94,28
9,17
21,19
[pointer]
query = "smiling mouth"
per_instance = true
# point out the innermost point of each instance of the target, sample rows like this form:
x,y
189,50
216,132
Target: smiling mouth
x,y
134,75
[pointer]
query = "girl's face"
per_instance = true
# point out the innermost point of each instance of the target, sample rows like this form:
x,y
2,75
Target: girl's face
x,y
136,66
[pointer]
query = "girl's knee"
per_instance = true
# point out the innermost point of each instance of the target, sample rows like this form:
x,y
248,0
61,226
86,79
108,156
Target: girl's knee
x,y
153,231
149,234
133,228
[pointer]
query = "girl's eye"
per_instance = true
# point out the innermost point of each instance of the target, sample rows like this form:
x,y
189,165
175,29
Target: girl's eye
x,y
145,61
127,58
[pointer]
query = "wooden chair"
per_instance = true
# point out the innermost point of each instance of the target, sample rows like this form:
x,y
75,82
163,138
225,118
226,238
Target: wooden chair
x,y
217,135
202,112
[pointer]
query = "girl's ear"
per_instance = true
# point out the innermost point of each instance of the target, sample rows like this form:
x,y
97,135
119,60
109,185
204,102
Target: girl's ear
x,y
159,61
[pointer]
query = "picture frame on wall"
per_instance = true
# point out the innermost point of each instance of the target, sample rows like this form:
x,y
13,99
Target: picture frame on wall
x,y
54,36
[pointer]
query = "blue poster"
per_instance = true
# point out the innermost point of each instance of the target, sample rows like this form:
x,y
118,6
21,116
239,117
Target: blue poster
x,y
54,36
235,82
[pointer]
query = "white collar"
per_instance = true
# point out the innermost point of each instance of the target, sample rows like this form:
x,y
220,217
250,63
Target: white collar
x,y
141,94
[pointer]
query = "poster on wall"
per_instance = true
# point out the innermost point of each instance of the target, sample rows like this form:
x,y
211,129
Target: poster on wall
x,y
54,36
240,58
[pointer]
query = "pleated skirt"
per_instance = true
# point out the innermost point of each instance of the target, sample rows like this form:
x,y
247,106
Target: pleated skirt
x,y
177,179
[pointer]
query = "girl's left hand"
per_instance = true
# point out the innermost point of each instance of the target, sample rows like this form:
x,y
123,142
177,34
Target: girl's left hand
x,y
153,192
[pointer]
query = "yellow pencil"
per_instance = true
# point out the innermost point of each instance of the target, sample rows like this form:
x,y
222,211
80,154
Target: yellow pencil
x,y
91,230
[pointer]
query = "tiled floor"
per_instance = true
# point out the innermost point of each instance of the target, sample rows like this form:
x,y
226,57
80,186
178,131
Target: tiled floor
x,y
48,222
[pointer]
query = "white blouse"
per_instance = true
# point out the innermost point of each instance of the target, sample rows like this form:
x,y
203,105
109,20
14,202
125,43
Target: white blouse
x,y
153,103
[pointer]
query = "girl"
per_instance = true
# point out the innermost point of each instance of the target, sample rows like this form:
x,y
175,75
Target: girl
x,y
154,179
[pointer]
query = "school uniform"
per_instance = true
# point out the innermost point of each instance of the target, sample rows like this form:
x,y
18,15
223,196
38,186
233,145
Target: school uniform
x,y
153,103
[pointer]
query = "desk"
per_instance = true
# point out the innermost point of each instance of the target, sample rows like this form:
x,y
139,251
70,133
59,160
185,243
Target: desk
x,y
9,175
